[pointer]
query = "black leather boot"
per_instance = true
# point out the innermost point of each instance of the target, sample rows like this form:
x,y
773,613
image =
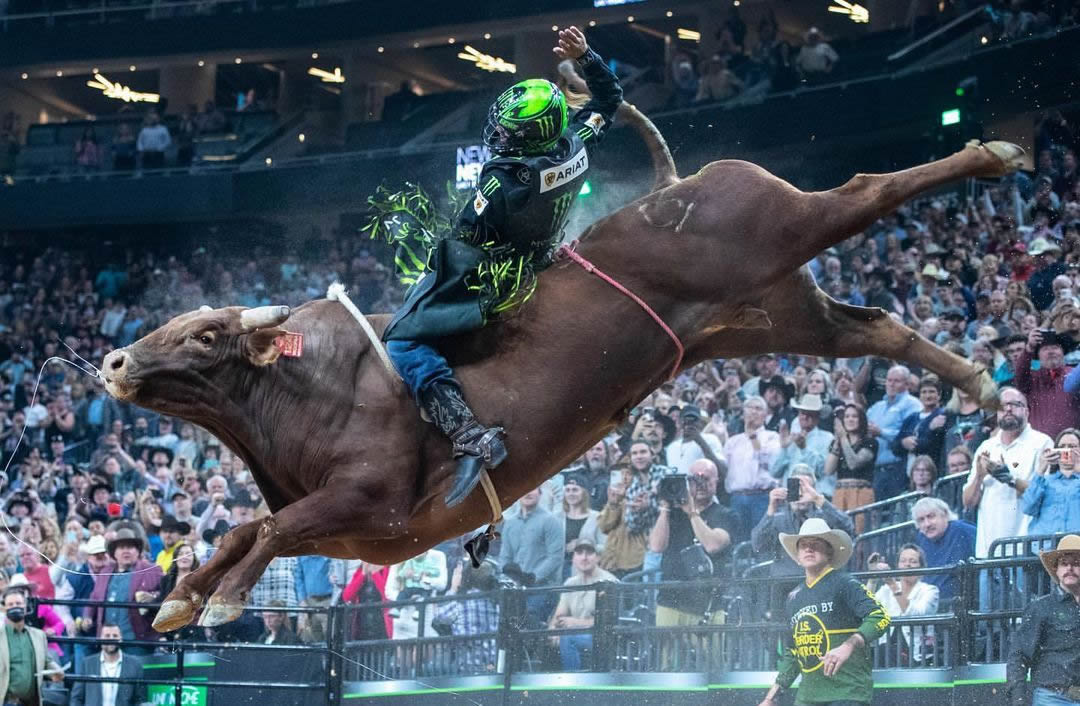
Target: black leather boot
x,y
476,447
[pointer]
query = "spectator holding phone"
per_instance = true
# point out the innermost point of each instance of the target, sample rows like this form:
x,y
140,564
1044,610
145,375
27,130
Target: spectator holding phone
x,y
1052,407
1053,498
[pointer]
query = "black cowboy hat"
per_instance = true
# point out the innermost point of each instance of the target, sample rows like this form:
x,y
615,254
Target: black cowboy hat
x,y
1051,338
162,449
882,273
241,499
777,381
220,529
99,484
171,524
19,498
125,536
668,425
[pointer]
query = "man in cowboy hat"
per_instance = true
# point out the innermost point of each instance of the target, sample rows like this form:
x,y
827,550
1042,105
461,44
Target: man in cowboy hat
x,y
135,580
1052,409
1046,642
833,618
777,393
804,442
172,533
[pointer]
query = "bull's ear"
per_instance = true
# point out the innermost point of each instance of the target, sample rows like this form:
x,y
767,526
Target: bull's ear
x,y
260,346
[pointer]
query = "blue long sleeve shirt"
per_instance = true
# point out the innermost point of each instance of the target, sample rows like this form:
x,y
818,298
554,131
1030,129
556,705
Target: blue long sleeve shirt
x,y
313,577
1053,501
889,415
956,543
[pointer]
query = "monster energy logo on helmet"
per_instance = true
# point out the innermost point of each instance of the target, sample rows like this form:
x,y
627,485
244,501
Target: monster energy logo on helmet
x,y
529,118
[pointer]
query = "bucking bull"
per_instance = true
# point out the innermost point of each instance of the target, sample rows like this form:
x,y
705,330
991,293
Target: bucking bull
x,y
340,453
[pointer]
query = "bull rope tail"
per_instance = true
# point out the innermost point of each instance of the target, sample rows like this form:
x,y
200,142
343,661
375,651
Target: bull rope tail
x,y
336,292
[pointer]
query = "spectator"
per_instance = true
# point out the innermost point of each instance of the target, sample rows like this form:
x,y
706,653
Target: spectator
x,y
111,662
923,432
277,583
367,586
577,609
472,616
534,540
815,58
36,571
923,475
124,149
154,140
684,79
1004,465
186,132
910,597
749,456
850,608
183,564
135,580
317,578
694,536
851,462
624,550
1052,500
579,521
693,442
1052,407
944,540
884,419
718,82
777,393
1047,267
277,629
879,294
23,654
1045,644
172,533
596,472
966,423
211,120
806,443
88,153
787,515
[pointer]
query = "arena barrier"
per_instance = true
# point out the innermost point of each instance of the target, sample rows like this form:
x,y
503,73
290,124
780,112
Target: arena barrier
x,y
959,653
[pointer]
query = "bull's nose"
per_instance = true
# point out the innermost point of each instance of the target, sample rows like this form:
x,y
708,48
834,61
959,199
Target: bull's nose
x,y
115,361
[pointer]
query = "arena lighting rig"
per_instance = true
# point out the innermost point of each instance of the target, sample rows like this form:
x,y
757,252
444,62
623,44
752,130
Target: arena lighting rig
x,y
123,93
326,76
854,11
487,62
689,35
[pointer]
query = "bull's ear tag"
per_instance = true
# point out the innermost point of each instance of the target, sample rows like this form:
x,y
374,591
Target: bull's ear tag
x,y
290,344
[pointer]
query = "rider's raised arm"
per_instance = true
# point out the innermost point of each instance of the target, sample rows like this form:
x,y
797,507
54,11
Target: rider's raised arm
x,y
594,119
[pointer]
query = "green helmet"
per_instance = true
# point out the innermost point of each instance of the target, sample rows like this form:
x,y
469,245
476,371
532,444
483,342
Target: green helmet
x,y
528,118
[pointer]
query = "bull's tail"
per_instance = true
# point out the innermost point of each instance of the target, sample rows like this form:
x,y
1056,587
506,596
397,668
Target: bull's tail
x,y
663,164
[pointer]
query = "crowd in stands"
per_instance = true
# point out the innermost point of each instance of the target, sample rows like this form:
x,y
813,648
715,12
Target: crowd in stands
x,y
134,501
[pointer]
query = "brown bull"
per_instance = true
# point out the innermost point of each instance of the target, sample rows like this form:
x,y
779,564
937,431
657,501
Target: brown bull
x,y
350,470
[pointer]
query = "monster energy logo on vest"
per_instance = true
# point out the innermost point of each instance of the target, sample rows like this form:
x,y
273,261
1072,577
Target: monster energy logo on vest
x,y
558,175
560,210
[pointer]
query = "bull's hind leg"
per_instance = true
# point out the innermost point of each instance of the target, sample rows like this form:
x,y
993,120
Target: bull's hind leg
x,y
179,607
856,205
829,328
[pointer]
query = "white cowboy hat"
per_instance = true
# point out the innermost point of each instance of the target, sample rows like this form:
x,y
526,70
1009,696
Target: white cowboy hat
x,y
808,403
817,528
95,545
1069,544
1042,245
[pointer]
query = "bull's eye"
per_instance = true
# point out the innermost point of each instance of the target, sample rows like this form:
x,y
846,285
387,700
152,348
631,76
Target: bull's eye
x,y
206,338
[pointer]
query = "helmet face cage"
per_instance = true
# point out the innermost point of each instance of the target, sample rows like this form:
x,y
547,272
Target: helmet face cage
x,y
529,118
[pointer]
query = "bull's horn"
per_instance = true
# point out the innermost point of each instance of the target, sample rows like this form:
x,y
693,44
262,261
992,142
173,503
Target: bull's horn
x,y
205,307
263,317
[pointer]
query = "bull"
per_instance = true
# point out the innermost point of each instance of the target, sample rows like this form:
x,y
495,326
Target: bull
x,y
338,449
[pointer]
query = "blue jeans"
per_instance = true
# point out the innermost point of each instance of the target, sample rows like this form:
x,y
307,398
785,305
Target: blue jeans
x,y
571,648
1045,697
419,365
749,509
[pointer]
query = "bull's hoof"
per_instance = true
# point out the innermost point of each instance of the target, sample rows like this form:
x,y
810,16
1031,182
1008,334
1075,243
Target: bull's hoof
x,y
174,615
1010,157
219,611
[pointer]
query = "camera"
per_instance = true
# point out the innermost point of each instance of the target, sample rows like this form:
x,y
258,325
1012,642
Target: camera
x,y
674,488
794,489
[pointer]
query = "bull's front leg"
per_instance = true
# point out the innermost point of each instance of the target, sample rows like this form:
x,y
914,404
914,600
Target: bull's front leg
x,y
179,607
337,514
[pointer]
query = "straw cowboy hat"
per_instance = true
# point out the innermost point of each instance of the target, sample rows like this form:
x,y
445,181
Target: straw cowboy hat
x,y
808,403
1069,544
817,528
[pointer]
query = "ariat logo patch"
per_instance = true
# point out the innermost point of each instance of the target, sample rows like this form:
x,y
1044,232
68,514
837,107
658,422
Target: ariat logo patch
x,y
596,122
556,176
479,203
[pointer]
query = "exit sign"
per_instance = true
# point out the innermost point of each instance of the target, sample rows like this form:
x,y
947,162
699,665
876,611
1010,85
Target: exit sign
x,y
950,117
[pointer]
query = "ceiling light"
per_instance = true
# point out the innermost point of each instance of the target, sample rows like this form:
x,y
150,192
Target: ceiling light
x,y
269,161
95,70
554,28
736,3
301,137
59,73
669,13
487,35
486,61
854,11
592,23
983,39
326,76
314,55
416,45
238,60
630,18
26,76
122,93
131,68
202,63
451,40
689,35
381,50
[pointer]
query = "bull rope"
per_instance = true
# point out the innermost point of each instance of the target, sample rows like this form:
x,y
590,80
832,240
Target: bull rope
x,y
336,292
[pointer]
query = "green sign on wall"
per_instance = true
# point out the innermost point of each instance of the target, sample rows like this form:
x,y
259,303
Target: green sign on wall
x,y
165,695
